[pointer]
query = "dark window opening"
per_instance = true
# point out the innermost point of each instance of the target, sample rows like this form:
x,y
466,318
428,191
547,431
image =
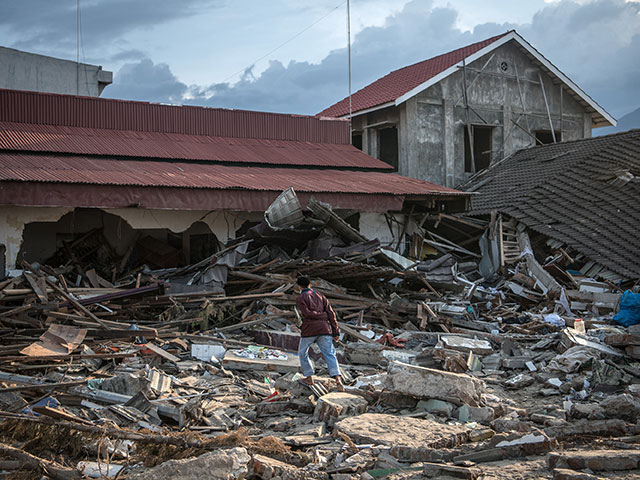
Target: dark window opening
x,y
544,137
356,140
388,146
482,145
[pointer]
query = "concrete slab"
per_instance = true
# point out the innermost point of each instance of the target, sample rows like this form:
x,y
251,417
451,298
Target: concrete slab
x,y
410,438
234,362
422,382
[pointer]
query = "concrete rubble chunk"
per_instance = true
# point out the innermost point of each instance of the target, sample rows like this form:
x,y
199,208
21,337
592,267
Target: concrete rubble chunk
x,y
437,470
623,406
266,468
428,383
464,344
436,407
596,460
410,438
217,465
566,474
336,405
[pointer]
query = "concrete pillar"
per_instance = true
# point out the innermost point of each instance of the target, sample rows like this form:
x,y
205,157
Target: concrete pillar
x,y
451,168
366,132
403,141
412,157
587,125
507,135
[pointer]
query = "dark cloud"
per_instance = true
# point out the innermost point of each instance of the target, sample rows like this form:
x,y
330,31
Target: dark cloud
x,y
594,44
147,82
597,45
50,26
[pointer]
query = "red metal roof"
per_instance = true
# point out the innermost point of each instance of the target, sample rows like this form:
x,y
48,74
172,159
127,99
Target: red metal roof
x,y
91,112
397,83
92,141
108,171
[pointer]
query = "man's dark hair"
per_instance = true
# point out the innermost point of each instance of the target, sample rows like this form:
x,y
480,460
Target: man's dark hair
x,y
303,282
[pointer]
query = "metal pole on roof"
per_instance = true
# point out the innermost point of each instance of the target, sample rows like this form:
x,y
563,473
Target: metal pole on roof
x,y
78,49
349,55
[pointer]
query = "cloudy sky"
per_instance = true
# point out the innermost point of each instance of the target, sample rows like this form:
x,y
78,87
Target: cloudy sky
x,y
290,55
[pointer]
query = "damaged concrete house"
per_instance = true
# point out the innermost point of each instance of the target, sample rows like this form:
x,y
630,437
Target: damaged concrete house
x,y
169,185
448,117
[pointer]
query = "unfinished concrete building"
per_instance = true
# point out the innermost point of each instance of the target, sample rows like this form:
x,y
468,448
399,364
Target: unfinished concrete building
x,y
40,73
448,117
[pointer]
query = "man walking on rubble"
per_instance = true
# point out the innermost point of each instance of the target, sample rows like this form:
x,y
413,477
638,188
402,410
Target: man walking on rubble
x,y
319,326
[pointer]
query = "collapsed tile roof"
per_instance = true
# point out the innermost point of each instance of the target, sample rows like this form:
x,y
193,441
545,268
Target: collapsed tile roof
x,y
584,193
83,151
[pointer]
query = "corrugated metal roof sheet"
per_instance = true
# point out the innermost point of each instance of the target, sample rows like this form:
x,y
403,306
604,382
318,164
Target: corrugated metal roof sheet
x,y
108,171
91,141
397,83
91,112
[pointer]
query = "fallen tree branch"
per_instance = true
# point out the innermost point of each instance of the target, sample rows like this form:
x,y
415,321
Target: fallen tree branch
x,y
52,469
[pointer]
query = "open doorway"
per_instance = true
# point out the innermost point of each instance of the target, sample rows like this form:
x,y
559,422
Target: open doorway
x,y
482,147
388,146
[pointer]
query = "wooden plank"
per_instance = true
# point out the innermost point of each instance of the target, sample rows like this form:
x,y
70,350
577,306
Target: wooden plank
x,y
59,414
163,353
20,309
39,289
75,303
355,334
104,356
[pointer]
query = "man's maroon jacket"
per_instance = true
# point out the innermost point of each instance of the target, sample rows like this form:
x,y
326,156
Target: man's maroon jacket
x,y
318,318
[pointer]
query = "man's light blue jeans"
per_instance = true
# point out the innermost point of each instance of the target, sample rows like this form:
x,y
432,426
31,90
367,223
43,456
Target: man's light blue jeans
x,y
325,342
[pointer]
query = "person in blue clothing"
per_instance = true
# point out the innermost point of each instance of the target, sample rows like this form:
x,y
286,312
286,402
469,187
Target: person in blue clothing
x,y
319,326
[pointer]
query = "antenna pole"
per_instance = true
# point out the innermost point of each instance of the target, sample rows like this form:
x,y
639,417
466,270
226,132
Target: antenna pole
x,y
349,55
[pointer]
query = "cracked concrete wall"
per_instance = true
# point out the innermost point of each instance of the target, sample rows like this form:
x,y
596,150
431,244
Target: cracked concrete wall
x,y
119,226
431,124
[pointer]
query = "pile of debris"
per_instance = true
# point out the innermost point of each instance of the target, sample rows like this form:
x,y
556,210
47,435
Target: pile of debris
x,y
475,359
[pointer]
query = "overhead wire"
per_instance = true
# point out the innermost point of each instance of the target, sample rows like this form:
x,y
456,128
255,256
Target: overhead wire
x,y
285,42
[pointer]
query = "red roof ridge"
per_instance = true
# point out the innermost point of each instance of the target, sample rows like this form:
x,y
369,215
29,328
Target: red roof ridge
x,y
402,80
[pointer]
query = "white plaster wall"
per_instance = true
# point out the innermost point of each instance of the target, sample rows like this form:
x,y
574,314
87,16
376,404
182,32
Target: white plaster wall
x,y
223,224
13,220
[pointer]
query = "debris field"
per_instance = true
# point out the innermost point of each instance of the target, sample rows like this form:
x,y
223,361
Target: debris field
x,y
111,369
